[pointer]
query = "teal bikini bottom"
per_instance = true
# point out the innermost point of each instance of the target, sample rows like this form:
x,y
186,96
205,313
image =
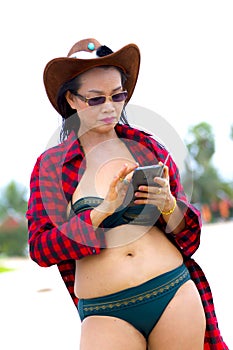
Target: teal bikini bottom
x,y
141,306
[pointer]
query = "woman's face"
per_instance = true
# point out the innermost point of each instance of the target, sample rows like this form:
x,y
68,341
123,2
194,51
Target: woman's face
x,y
94,83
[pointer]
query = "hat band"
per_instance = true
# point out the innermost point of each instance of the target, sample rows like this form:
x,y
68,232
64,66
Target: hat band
x,y
84,55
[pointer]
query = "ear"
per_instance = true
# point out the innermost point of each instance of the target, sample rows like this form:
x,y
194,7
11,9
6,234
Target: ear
x,y
70,98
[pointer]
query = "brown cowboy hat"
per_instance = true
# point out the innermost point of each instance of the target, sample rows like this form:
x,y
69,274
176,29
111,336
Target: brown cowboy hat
x,y
87,54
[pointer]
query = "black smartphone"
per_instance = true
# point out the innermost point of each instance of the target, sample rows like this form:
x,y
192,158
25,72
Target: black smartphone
x,y
143,176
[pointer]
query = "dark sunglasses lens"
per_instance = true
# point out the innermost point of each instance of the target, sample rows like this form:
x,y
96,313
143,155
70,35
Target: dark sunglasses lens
x,y
119,97
96,100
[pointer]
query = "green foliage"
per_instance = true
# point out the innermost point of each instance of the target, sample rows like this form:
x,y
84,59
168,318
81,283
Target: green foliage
x,y
13,242
202,145
13,196
208,186
13,238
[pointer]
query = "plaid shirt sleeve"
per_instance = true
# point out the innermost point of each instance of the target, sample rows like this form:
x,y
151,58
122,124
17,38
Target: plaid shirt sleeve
x,y
52,238
188,239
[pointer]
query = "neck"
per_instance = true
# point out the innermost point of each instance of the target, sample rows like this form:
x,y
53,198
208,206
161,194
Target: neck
x,y
91,138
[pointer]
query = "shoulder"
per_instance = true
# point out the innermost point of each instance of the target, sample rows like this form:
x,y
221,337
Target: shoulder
x,y
59,154
140,136
51,155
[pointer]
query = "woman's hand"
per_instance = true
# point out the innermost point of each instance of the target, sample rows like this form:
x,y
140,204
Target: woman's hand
x,y
159,196
118,188
115,195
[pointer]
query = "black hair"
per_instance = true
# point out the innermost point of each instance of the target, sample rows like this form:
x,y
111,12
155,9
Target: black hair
x,y
70,119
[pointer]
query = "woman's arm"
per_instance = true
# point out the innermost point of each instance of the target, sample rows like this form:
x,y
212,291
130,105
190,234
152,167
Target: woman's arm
x,y
187,233
52,238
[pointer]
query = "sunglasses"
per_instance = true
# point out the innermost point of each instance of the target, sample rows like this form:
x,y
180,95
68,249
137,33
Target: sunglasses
x,y
98,100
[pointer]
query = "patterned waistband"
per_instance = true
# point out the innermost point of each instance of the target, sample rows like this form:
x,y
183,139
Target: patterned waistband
x,y
151,289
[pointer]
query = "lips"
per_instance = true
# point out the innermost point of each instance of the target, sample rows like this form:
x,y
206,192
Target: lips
x,y
109,120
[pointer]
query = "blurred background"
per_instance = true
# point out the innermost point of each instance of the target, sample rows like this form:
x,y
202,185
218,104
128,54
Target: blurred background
x,y
185,81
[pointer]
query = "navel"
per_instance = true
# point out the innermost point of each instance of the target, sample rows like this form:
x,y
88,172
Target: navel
x,y
130,254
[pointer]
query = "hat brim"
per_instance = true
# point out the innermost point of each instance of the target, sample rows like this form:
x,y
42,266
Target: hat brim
x,y
60,70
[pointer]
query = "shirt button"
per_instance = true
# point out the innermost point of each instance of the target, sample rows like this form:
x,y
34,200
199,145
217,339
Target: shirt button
x,y
93,251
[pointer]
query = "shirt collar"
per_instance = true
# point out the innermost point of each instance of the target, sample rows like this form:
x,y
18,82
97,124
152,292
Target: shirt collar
x,y
72,147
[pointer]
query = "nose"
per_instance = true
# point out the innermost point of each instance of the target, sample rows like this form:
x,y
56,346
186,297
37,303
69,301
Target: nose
x,y
108,105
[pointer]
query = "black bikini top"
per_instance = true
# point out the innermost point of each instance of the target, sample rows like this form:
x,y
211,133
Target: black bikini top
x,y
145,215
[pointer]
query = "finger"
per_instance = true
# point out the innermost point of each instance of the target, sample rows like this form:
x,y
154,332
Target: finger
x,y
140,195
122,173
165,169
126,170
162,181
166,172
150,189
120,176
151,194
129,172
146,200
114,182
132,168
154,202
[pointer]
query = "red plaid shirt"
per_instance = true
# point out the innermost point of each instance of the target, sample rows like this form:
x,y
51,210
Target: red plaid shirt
x,y
55,240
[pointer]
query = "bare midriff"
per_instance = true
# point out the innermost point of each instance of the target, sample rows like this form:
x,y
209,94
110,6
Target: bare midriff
x,y
134,255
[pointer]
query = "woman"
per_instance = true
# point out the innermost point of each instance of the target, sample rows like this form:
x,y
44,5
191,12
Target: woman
x,y
127,265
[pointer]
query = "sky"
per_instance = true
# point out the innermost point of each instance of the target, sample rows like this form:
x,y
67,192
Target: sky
x,y
186,73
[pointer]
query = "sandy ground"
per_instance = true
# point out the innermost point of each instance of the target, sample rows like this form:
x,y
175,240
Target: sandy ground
x,y
36,311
